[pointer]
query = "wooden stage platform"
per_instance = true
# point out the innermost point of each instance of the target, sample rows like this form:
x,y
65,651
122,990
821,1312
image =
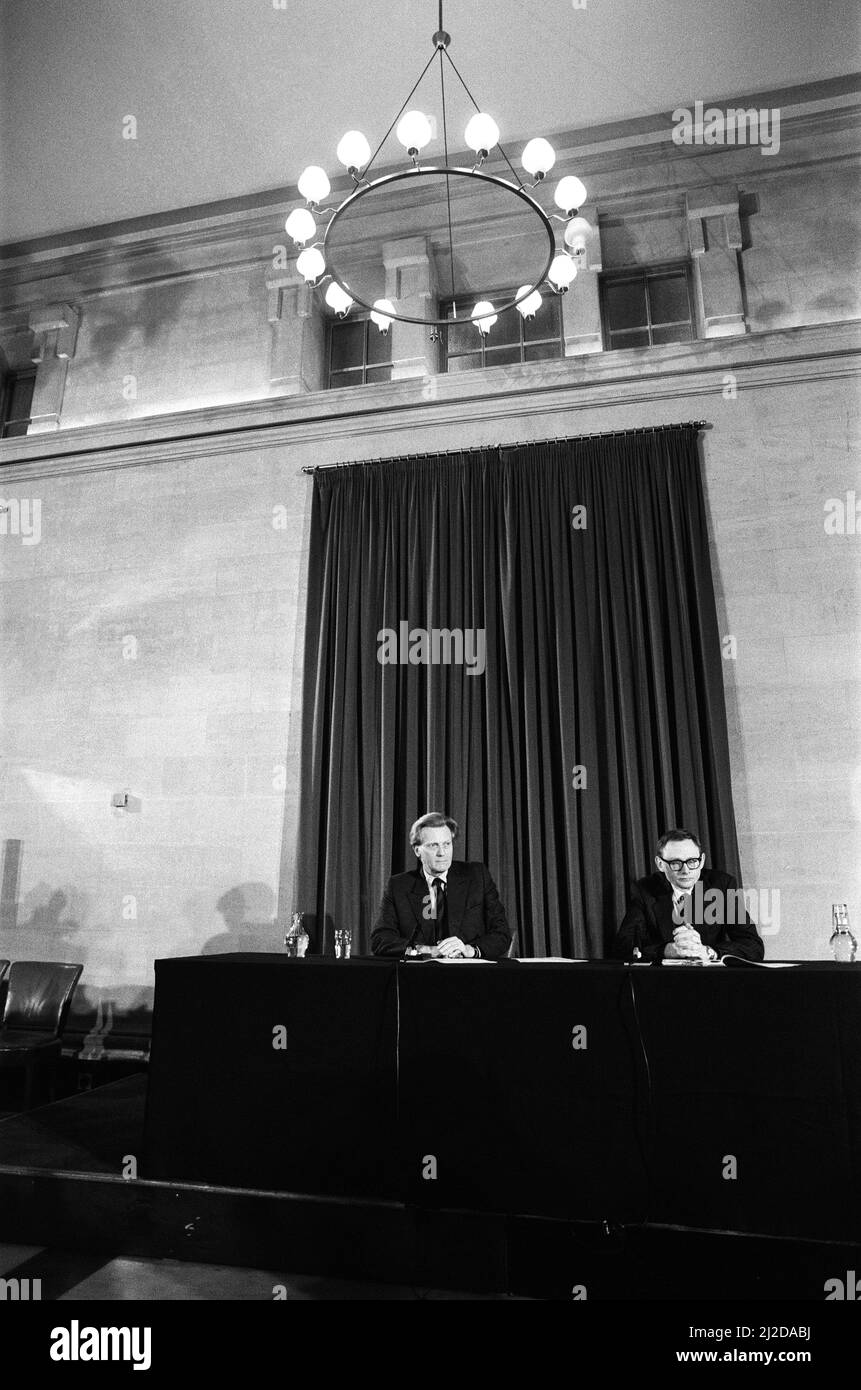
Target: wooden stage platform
x,y
62,1185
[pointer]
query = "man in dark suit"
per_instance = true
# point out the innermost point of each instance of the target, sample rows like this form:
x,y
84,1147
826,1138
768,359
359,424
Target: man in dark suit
x,y
685,911
440,908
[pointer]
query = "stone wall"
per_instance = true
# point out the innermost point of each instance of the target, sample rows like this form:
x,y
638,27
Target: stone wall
x,y
152,631
153,641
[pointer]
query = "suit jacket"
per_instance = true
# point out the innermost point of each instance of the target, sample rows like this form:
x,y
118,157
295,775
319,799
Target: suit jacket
x,y
718,914
475,913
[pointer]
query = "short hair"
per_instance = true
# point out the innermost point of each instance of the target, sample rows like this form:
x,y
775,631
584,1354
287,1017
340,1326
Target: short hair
x,y
677,834
426,822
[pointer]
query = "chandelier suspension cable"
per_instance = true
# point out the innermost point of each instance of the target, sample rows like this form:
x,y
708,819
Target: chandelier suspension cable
x,y
447,177
317,258
397,118
478,108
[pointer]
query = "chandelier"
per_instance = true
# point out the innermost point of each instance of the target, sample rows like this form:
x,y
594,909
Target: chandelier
x,y
316,262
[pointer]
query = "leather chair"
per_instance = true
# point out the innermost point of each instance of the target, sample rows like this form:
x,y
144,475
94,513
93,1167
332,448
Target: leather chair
x,y
37,1006
4,966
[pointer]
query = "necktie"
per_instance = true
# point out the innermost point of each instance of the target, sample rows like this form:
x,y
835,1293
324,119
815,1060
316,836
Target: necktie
x,y
441,910
679,909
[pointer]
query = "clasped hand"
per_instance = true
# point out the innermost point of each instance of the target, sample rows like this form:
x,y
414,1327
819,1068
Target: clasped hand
x,y
686,945
451,948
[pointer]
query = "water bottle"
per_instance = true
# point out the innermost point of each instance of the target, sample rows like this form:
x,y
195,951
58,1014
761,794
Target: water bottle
x,y
843,944
296,940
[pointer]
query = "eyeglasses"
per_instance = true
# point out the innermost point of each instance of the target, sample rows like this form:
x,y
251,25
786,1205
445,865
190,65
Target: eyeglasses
x,y
678,864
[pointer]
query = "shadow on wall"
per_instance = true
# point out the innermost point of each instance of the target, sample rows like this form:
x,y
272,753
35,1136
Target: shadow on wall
x,y
822,308
51,927
147,306
249,919
54,921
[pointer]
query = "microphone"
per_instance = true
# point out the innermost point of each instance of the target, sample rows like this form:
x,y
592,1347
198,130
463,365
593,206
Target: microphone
x,y
409,944
636,953
412,938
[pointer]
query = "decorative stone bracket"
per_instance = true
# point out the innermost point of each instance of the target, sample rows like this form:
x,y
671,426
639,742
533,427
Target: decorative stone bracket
x,y
297,344
55,332
714,236
581,306
411,282
55,336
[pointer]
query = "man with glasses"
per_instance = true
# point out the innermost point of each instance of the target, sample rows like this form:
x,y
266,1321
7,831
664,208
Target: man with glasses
x,y
685,911
444,909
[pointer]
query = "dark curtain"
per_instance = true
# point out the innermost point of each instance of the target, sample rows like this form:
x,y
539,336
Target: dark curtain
x,y
599,718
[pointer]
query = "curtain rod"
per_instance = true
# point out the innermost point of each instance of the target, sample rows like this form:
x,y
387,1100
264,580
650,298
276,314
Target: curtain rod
x,y
515,444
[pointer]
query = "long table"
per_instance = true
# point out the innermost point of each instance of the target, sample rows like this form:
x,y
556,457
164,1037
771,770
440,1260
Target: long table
x,y
708,1097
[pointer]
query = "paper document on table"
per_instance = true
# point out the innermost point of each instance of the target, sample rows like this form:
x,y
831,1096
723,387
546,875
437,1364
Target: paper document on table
x,y
460,960
730,959
554,960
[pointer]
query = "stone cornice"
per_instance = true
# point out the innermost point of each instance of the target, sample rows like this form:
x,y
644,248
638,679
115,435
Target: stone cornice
x,y
621,156
354,418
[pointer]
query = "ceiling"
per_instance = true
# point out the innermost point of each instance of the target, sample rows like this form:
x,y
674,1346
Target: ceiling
x,y
232,97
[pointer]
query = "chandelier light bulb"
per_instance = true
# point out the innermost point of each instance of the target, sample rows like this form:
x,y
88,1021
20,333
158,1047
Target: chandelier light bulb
x,y
314,184
414,131
482,133
300,225
310,265
484,316
339,300
381,314
354,150
570,194
529,306
577,234
538,158
562,272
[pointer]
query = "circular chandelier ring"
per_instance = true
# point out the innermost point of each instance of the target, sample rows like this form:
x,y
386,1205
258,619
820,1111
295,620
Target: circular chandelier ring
x,y
385,179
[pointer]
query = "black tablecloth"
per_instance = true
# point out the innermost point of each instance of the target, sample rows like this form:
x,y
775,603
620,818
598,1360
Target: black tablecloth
x,y
719,1098
227,1104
